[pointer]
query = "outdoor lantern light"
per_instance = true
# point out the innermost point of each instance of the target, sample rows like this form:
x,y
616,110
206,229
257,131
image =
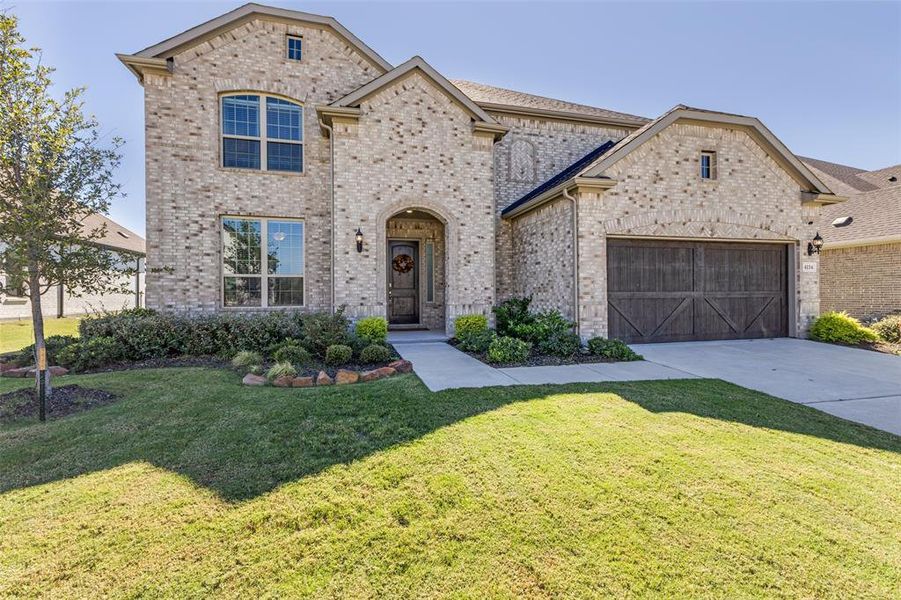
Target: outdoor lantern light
x,y
359,238
813,247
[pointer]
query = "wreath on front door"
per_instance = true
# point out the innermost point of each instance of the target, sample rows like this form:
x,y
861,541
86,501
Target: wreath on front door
x,y
402,263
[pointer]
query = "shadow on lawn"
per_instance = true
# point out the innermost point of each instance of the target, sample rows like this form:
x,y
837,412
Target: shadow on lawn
x,y
242,442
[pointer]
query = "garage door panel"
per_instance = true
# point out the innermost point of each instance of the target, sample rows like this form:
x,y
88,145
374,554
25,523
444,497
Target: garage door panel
x,y
679,291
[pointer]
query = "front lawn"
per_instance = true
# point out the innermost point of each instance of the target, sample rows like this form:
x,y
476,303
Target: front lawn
x,y
191,485
15,335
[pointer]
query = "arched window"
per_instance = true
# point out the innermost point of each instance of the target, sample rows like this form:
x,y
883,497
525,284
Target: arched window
x,y
267,140
522,161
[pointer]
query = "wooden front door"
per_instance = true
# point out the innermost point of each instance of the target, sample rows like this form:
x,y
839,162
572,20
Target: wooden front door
x,y
403,282
669,291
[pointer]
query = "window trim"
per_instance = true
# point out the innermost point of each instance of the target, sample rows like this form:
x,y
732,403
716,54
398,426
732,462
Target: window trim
x,y
263,276
263,138
711,154
288,38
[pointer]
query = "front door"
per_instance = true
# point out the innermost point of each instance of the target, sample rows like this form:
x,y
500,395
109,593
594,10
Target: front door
x,y
403,282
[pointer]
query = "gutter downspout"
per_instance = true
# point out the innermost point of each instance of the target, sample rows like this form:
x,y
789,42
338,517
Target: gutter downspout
x,y
331,143
575,226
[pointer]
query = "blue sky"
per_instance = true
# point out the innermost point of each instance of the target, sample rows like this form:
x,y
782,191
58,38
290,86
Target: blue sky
x,y
824,77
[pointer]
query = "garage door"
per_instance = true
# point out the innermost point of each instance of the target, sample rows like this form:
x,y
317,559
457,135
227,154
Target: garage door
x,y
663,291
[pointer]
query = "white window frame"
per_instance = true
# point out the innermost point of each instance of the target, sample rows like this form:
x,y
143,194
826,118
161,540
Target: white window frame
x,y
263,276
712,155
289,37
263,138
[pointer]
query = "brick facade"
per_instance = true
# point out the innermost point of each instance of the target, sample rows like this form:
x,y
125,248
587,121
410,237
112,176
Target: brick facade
x,y
861,280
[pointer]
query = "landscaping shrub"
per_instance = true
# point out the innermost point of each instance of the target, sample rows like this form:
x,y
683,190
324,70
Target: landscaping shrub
x,y
281,369
372,330
889,328
476,341
613,349
560,343
839,327
507,349
466,325
246,359
292,352
375,353
321,330
544,325
512,313
338,354
90,354
53,343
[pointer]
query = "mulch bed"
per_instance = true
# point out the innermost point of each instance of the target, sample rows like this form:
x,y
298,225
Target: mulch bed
x,y
539,360
65,400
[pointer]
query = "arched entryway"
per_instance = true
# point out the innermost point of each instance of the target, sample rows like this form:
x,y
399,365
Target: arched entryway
x,y
416,270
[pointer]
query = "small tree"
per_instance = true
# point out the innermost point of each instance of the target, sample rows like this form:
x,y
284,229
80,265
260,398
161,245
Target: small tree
x,y
54,172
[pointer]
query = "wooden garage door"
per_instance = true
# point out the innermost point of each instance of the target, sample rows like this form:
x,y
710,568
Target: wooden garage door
x,y
663,291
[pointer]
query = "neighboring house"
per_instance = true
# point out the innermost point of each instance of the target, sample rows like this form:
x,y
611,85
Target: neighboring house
x,y
60,301
861,261
289,165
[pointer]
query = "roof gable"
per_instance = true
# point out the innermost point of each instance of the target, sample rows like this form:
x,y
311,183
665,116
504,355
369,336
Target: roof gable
x,y
417,63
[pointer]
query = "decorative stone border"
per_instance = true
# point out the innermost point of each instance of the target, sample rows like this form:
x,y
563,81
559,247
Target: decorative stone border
x,y
342,377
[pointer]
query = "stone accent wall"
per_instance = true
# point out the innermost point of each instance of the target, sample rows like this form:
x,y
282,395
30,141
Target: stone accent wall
x,y
543,257
864,281
425,231
413,147
661,194
556,145
187,190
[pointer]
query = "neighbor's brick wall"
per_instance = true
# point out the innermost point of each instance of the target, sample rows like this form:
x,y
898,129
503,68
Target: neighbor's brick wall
x,y
425,231
187,190
556,145
661,194
864,281
414,148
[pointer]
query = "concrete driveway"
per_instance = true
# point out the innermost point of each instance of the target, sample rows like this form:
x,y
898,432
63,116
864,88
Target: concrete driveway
x,y
858,385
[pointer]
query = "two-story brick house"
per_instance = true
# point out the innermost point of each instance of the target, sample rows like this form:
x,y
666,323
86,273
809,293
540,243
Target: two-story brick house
x,y
289,165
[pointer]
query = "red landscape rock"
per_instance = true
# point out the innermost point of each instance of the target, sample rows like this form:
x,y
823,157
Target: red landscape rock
x,y
379,373
19,372
402,366
324,379
344,376
302,382
251,379
53,371
283,381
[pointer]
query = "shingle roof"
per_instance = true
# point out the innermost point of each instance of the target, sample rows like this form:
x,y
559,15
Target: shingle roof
x,y
489,94
848,178
877,214
562,176
881,178
116,236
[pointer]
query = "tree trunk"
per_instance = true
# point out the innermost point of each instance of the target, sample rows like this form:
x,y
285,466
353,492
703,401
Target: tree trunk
x,y
37,320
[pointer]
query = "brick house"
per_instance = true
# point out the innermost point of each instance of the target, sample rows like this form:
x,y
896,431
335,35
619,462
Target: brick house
x,y
861,257
289,165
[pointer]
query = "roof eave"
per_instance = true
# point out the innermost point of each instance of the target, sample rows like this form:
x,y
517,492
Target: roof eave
x,y
141,66
559,115
587,183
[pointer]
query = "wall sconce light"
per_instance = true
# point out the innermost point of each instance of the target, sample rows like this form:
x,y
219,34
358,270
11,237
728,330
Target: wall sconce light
x,y
359,238
814,246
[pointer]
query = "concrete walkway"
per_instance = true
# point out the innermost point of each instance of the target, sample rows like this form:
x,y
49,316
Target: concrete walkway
x,y
858,385
440,366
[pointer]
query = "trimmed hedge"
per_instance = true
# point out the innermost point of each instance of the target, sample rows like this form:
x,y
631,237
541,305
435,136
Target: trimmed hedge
x,y
338,354
889,328
372,330
613,349
507,349
467,325
375,354
841,328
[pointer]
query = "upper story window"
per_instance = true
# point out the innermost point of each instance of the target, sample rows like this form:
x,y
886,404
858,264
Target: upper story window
x,y
294,47
267,140
708,165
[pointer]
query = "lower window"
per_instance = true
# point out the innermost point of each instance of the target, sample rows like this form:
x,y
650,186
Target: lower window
x,y
262,262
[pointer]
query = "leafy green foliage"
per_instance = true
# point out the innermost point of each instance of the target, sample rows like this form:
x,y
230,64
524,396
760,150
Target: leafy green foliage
x,y
54,344
372,330
281,369
321,330
841,328
246,359
466,325
338,354
613,349
560,343
505,349
889,328
512,314
544,325
375,354
292,352
476,341
90,354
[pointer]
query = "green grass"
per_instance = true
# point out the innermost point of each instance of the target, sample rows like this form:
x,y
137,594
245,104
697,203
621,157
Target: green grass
x,y
15,335
193,486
